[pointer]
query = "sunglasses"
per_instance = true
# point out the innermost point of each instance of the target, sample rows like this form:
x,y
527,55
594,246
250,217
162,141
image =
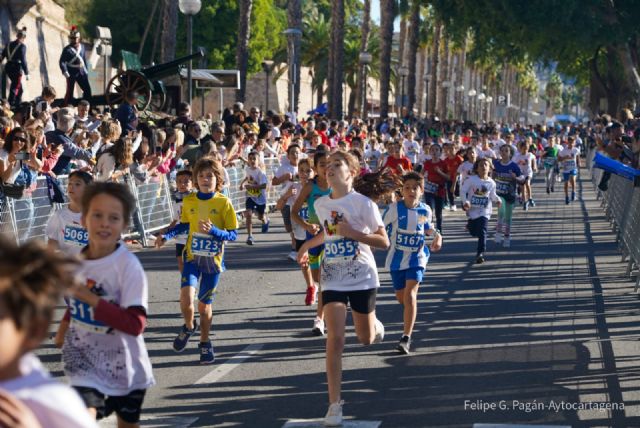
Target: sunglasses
x,y
20,139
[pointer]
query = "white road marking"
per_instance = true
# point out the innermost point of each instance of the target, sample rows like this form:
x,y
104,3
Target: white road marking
x,y
223,369
319,423
153,422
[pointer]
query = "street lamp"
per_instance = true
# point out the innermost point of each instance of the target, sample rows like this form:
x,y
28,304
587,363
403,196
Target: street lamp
x,y
426,78
472,93
445,86
365,59
480,99
403,72
460,100
293,34
267,66
489,100
189,8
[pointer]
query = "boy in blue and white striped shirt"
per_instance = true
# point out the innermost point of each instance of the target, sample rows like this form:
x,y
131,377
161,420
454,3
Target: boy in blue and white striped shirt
x,y
408,222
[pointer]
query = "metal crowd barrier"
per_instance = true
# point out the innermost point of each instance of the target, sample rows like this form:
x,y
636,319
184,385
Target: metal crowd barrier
x,y
621,204
25,219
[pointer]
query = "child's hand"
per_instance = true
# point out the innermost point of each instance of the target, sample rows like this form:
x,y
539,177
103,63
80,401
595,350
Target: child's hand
x,y
160,242
313,229
436,244
499,203
14,413
344,229
466,206
205,225
82,293
303,258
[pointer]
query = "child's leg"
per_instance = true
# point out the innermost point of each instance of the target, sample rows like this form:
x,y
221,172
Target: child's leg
x,y
248,217
208,285
567,178
508,216
439,203
186,305
336,318
123,424
180,264
410,302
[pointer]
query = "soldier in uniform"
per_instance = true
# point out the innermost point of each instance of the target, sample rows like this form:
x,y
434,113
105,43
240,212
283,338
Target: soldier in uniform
x,y
16,55
73,64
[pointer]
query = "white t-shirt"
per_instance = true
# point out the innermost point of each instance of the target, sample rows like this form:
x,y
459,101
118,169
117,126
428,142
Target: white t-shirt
x,y
54,404
348,265
256,176
284,168
480,194
4,155
411,150
96,355
299,232
64,227
465,170
571,164
485,154
524,162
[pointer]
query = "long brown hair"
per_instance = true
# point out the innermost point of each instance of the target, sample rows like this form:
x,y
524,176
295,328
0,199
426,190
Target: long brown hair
x,y
377,185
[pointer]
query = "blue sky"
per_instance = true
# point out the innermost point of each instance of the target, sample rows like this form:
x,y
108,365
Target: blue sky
x,y
375,15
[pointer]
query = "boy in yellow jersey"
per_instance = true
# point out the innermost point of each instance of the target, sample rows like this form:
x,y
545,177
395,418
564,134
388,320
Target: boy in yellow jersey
x,y
210,219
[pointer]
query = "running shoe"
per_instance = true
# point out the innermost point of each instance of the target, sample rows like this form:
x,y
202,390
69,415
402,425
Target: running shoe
x,y
206,353
454,208
548,190
333,418
404,346
566,200
379,331
250,240
293,256
532,202
552,189
573,196
318,327
507,242
498,238
526,206
312,293
480,259
265,226
180,342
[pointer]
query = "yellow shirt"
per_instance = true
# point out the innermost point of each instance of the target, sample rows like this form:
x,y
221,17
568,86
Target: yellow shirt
x,y
218,210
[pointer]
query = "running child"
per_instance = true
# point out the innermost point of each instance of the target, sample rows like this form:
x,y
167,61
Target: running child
x,y
452,162
506,174
104,354
32,281
396,160
569,157
255,183
466,168
526,161
65,232
309,193
305,173
407,222
436,175
209,219
550,163
352,225
184,187
478,193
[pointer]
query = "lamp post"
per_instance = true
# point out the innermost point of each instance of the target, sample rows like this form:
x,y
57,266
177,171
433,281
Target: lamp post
x,y
293,34
481,97
267,66
445,103
489,100
365,59
403,72
472,93
426,78
459,101
189,8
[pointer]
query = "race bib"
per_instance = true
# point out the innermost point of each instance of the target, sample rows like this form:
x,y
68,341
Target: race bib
x,y
411,242
304,213
549,162
76,235
83,317
340,250
569,165
205,245
480,201
254,192
503,187
430,187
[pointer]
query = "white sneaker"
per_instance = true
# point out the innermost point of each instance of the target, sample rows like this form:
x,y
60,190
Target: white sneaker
x,y
453,208
498,238
293,256
379,331
507,242
333,418
318,327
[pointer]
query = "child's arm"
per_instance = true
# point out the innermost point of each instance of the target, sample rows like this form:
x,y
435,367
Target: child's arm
x,y
303,255
220,234
297,205
282,200
377,239
177,229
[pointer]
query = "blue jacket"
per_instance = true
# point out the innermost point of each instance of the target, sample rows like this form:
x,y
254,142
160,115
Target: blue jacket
x,y
73,61
71,151
16,55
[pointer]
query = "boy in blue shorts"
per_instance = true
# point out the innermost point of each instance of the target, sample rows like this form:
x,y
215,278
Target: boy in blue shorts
x,y
255,183
209,219
407,222
569,158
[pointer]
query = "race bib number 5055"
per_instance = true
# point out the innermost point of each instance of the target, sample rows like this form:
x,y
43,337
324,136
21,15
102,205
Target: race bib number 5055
x,y
340,250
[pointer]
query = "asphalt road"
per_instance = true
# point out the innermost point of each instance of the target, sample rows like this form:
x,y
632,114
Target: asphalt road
x,y
523,339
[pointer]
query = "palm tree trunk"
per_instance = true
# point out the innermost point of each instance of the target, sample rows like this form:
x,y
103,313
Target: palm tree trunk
x,y
242,50
361,85
422,61
412,54
169,28
386,33
460,78
294,18
443,77
336,59
147,27
435,59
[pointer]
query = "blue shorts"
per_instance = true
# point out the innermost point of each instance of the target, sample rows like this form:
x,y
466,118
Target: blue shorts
x,y
252,206
208,281
571,173
315,254
399,278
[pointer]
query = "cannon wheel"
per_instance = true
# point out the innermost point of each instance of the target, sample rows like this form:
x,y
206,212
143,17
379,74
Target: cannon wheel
x,y
125,81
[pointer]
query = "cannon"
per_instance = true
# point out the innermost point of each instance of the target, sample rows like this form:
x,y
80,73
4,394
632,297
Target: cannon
x,y
146,81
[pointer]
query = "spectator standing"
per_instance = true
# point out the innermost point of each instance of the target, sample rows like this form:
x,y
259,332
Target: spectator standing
x,y
16,67
73,65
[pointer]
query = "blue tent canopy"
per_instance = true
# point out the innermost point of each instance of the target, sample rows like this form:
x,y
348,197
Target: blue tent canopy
x,y
321,109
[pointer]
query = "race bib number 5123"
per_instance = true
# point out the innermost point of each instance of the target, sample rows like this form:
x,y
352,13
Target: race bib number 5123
x,y
204,245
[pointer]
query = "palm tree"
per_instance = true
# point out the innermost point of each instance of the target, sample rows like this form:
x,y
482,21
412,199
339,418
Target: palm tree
x,y
386,35
242,50
364,45
435,59
412,54
336,59
169,28
294,17
443,76
315,40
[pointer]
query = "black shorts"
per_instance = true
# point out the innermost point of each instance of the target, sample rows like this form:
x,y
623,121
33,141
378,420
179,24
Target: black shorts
x,y
127,407
179,250
286,217
361,301
300,243
252,206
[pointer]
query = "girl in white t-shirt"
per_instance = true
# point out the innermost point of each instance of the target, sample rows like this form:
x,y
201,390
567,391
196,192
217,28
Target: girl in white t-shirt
x,y
466,168
526,161
65,232
352,225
